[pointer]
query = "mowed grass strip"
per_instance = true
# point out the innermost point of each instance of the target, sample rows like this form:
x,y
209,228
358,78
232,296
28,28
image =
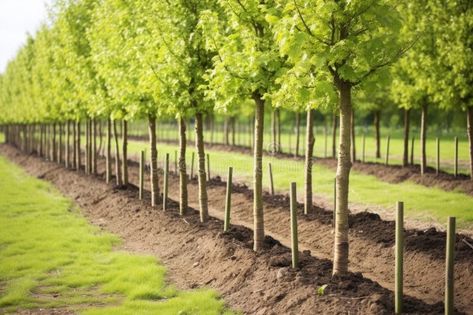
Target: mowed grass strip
x,y
50,257
421,203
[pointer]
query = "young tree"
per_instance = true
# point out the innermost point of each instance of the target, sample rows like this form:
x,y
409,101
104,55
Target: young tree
x,y
348,41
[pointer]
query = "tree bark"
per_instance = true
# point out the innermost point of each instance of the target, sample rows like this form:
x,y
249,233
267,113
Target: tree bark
x,y
423,137
74,145
469,112
274,131
353,136
298,131
258,213
377,120
154,161
340,261
60,151
405,153
278,117
79,153
41,138
94,146
232,122
118,171
125,154
334,136
108,155
309,151
183,200
199,143
226,131
54,146
68,144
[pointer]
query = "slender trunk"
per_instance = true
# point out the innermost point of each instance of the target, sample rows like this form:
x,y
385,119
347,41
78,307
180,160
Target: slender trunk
x,y
274,148
353,138
118,171
232,122
226,131
125,149
405,153
309,151
79,153
74,145
87,140
278,116
199,143
99,150
469,116
94,146
108,155
41,139
258,213
60,152
298,131
154,161
423,137
68,144
377,119
183,201
334,136
340,261
54,146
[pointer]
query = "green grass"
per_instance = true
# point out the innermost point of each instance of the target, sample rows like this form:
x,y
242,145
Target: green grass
x,y
170,131
50,257
421,202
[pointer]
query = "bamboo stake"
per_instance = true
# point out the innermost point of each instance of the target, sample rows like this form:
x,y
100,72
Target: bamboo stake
x,y
437,166
294,240
399,266
387,149
271,183
228,201
455,167
166,181
142,166
449,267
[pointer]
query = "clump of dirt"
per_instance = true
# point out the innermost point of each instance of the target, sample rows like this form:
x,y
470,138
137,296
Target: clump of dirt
x,y
199,254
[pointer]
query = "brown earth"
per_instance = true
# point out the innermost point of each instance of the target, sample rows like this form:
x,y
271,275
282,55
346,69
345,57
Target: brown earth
x,y
200,255
389,173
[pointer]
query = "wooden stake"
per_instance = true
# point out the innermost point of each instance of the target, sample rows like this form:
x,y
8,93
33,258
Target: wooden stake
x,y
192,165
208,168
142,166
455,167
437,166
271,183
294,240
228,201
449,266
166,181
399,265
387,149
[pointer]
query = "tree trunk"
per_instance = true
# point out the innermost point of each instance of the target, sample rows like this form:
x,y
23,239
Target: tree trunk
x,y
154,161
278,116
298,131
68,144
334,136
94,146
199,143
353,136
274,148
423,137
232,121
118,171
377,120
54,146
79,153
258,173
340,261
469,112
309,151
125,154
405,153
74,145
108,155
183,200
60,151
41,139
87,165
226,131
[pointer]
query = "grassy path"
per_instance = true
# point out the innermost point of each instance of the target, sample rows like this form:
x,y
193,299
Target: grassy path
x,y
50,257
421,203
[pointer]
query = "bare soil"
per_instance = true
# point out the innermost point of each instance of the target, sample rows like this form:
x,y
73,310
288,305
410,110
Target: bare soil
x,y
263,283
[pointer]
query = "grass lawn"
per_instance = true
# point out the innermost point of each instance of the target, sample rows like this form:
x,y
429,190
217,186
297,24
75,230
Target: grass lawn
x,y
421,202
50,257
